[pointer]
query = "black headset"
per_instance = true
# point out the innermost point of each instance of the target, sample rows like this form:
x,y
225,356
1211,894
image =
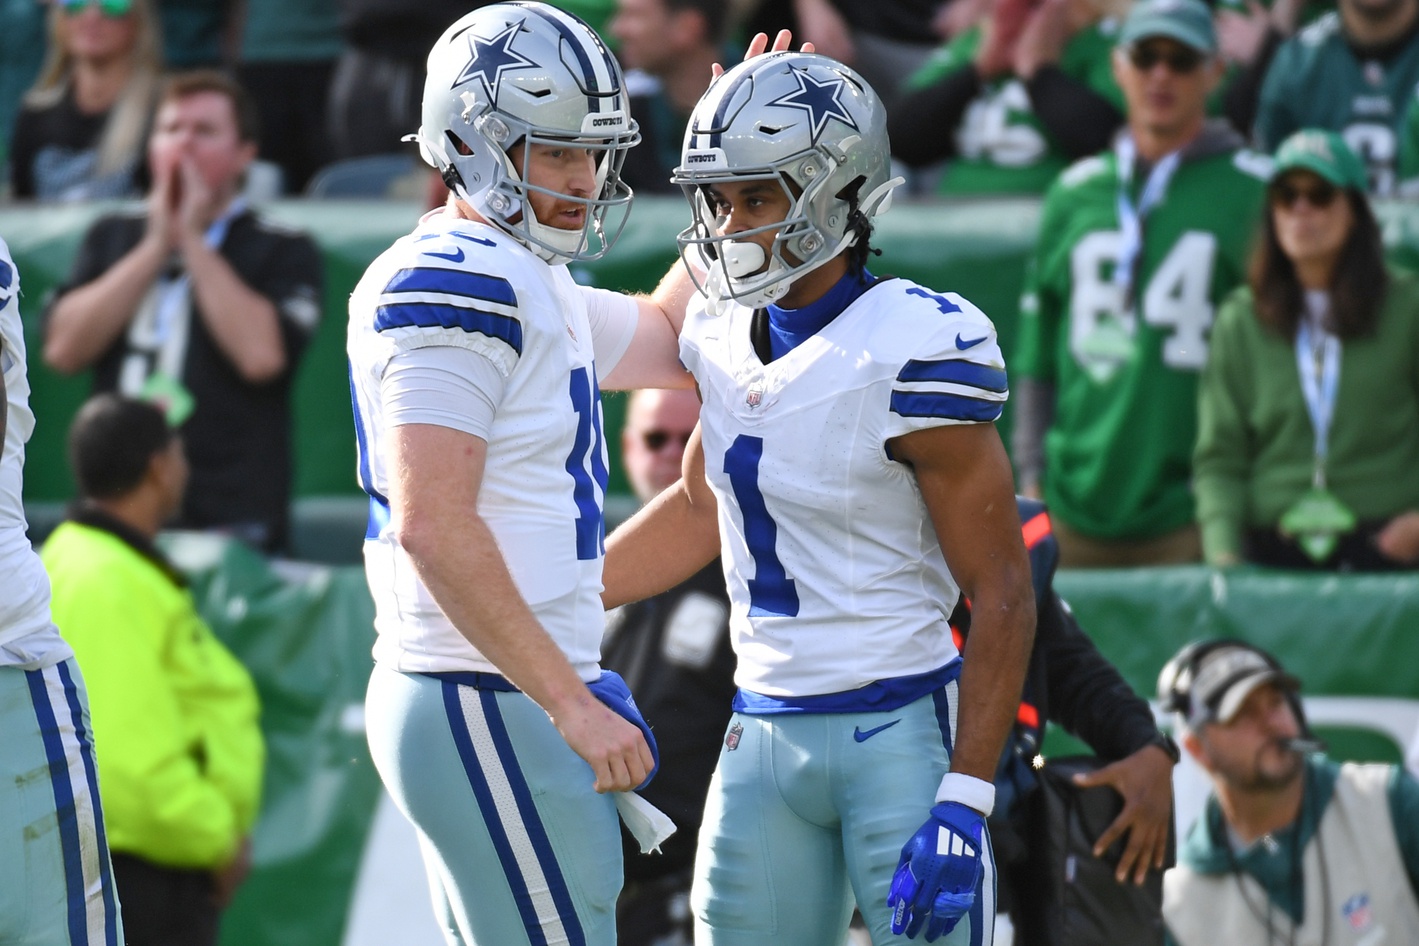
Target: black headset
x,y
1176,678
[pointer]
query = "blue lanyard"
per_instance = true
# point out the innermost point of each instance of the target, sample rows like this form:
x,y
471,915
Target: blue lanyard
x,y
1130,217
1319,368
175,293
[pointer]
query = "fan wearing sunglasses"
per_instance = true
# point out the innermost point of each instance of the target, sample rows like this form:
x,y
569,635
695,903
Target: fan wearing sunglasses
x,y
1309,428
81,128
1137,246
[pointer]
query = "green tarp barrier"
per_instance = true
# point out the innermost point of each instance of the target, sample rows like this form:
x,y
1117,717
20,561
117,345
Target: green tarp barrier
x,y
305,633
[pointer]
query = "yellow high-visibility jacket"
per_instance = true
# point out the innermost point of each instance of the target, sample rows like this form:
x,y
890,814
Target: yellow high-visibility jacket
x,y
175,715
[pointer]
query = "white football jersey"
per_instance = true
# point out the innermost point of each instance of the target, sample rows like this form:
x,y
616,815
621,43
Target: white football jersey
x,y
835,574
24,586
454,282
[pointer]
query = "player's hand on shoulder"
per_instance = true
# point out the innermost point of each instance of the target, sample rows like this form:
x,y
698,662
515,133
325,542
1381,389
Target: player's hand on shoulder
x,y
937,874
614,748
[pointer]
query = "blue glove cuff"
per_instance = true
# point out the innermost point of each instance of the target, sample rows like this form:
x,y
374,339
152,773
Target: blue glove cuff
x,y
611,689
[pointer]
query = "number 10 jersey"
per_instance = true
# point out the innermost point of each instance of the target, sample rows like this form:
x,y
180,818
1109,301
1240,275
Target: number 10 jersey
x,y
835,576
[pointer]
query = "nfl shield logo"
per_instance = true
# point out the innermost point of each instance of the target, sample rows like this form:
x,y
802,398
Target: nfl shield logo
x,y
731,741
756,394
1357,912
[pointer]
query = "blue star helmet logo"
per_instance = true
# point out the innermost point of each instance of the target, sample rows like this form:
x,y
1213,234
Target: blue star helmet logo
x,y
821,100
491,58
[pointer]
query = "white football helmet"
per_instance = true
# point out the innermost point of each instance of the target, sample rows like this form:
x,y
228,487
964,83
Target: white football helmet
x,y
527,73
807,122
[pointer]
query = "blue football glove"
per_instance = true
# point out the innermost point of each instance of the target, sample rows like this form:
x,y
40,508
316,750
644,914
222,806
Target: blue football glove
x,y
611,689
936,878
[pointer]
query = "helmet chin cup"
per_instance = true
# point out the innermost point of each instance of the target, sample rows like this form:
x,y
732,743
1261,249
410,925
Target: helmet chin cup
x,y
742,259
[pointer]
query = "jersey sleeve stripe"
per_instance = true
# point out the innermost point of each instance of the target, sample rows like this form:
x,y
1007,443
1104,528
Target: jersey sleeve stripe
x,y
433,315
948,406
955,371
453,282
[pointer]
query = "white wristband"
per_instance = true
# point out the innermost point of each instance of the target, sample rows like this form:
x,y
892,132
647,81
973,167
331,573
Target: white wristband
x,y
968,790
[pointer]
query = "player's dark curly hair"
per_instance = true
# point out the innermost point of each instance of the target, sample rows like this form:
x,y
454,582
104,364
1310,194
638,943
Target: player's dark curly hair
x,y
1357,287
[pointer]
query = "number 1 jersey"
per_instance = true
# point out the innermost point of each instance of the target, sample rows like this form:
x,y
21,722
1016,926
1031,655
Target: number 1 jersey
x,y
835,576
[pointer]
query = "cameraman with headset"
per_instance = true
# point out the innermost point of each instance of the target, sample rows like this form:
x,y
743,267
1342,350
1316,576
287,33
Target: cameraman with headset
x,y
1292,848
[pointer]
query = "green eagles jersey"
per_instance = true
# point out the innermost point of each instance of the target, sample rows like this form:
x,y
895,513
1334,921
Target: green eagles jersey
x,y
1119,453
1001,147
1315,81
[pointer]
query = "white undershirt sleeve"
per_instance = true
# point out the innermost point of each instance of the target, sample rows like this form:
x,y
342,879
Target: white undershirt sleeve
x,y
613,317
443,386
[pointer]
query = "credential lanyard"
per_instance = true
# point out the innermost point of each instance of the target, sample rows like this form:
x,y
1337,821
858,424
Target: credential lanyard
x,y
1319,368
175,293
1130,217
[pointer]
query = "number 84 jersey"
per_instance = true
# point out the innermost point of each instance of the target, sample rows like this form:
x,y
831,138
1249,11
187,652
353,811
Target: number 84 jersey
x,y
835,575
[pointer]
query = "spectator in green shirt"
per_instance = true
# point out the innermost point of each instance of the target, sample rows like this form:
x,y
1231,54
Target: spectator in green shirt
x,y
1308,440
1013,99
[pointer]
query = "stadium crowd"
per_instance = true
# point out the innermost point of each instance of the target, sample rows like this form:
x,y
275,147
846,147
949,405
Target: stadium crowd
x,y
1217,361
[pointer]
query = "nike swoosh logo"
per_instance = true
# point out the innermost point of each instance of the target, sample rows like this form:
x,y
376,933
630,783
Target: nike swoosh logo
x,y
457,257
963,344
861,736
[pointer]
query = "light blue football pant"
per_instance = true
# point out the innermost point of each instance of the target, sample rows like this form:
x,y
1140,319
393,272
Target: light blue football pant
x,y
518,847
56,881
805,816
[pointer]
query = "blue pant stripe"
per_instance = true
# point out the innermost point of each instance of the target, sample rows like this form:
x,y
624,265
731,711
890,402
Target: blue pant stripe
x,y
532,821
453,706
943,719
978,909
63,806
86,751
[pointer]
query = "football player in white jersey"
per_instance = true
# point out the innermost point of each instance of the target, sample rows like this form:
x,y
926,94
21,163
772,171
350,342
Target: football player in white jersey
x,y
848,461
476,367
56,880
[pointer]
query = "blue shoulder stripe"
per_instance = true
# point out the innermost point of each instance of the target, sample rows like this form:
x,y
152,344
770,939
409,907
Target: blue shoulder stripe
x,y
453,282
956,371
950,406
433,315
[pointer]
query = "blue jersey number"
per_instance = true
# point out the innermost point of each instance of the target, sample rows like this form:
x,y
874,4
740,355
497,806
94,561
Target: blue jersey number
x,y
590,523
945,305
771,591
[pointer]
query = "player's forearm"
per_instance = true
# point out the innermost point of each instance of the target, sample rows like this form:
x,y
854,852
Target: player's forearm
x,y
242,321
86,320
992,675
663,544
672,296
